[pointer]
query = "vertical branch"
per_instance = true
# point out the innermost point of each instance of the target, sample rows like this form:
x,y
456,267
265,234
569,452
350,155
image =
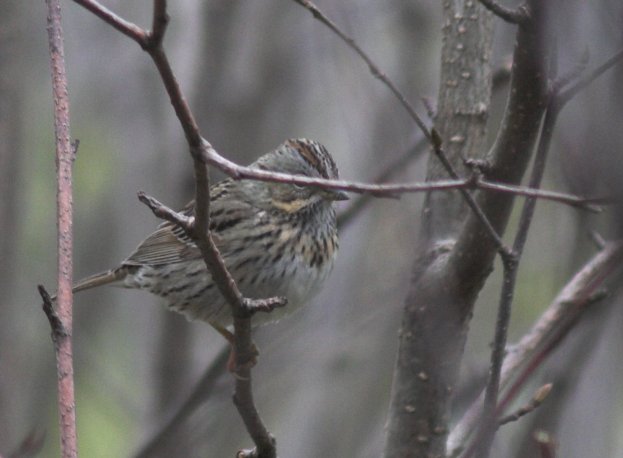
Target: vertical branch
x,y
511,265
64,161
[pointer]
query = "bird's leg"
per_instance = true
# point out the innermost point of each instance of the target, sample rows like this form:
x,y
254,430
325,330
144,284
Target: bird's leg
x,y
231,362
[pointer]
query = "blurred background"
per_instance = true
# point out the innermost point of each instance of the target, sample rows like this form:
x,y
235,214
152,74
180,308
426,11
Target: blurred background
x,y
256,73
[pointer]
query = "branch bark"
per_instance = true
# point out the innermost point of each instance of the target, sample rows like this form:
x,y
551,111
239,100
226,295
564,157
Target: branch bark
x,y
61,334
424,378
457,252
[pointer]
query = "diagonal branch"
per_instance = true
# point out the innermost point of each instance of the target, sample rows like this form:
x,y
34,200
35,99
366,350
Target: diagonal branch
x,y
374,69
431,134
572,300
557,101
537,399
572,90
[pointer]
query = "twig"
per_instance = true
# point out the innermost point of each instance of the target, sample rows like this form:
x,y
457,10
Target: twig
x,y
512,16
58,329
556,102
511,264
547,348
431,134
164,212
571,91
61,319
374,69
391,190
570,302
249,305
348,215
541,394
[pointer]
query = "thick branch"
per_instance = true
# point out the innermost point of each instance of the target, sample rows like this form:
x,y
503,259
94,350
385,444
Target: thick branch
x,y
449,274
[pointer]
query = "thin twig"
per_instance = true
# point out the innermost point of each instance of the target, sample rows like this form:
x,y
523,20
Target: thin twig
x,y
556,103
350,213
510,277
57,326
374,69
570,302
541,394
391,190
431,134
571,91
548,346
512,16
61,319
125,27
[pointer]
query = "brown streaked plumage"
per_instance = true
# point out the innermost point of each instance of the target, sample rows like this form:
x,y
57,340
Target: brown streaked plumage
x,y
275,238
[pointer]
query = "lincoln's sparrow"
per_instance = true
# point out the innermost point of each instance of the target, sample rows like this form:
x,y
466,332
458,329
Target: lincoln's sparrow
x,y
276,239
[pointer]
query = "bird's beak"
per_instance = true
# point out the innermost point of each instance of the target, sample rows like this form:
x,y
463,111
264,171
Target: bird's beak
x,y
335,194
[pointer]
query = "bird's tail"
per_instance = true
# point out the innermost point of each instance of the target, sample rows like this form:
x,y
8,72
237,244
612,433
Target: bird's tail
x,y
99,279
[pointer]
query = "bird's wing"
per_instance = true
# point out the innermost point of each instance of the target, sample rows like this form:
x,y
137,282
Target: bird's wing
x,y
170,244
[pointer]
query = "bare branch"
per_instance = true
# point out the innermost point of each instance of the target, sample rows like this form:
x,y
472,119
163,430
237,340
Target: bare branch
x,y
374,69
58,329
554,107
431,134
61,319
125,27
572,300
511,265
507,14
541,394
569,92
160,21
391,190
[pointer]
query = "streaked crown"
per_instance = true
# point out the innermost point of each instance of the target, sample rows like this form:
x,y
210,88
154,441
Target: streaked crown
x,y
300,156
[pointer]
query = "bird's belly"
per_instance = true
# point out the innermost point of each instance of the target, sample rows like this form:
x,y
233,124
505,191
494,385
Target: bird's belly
x,y
189,289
